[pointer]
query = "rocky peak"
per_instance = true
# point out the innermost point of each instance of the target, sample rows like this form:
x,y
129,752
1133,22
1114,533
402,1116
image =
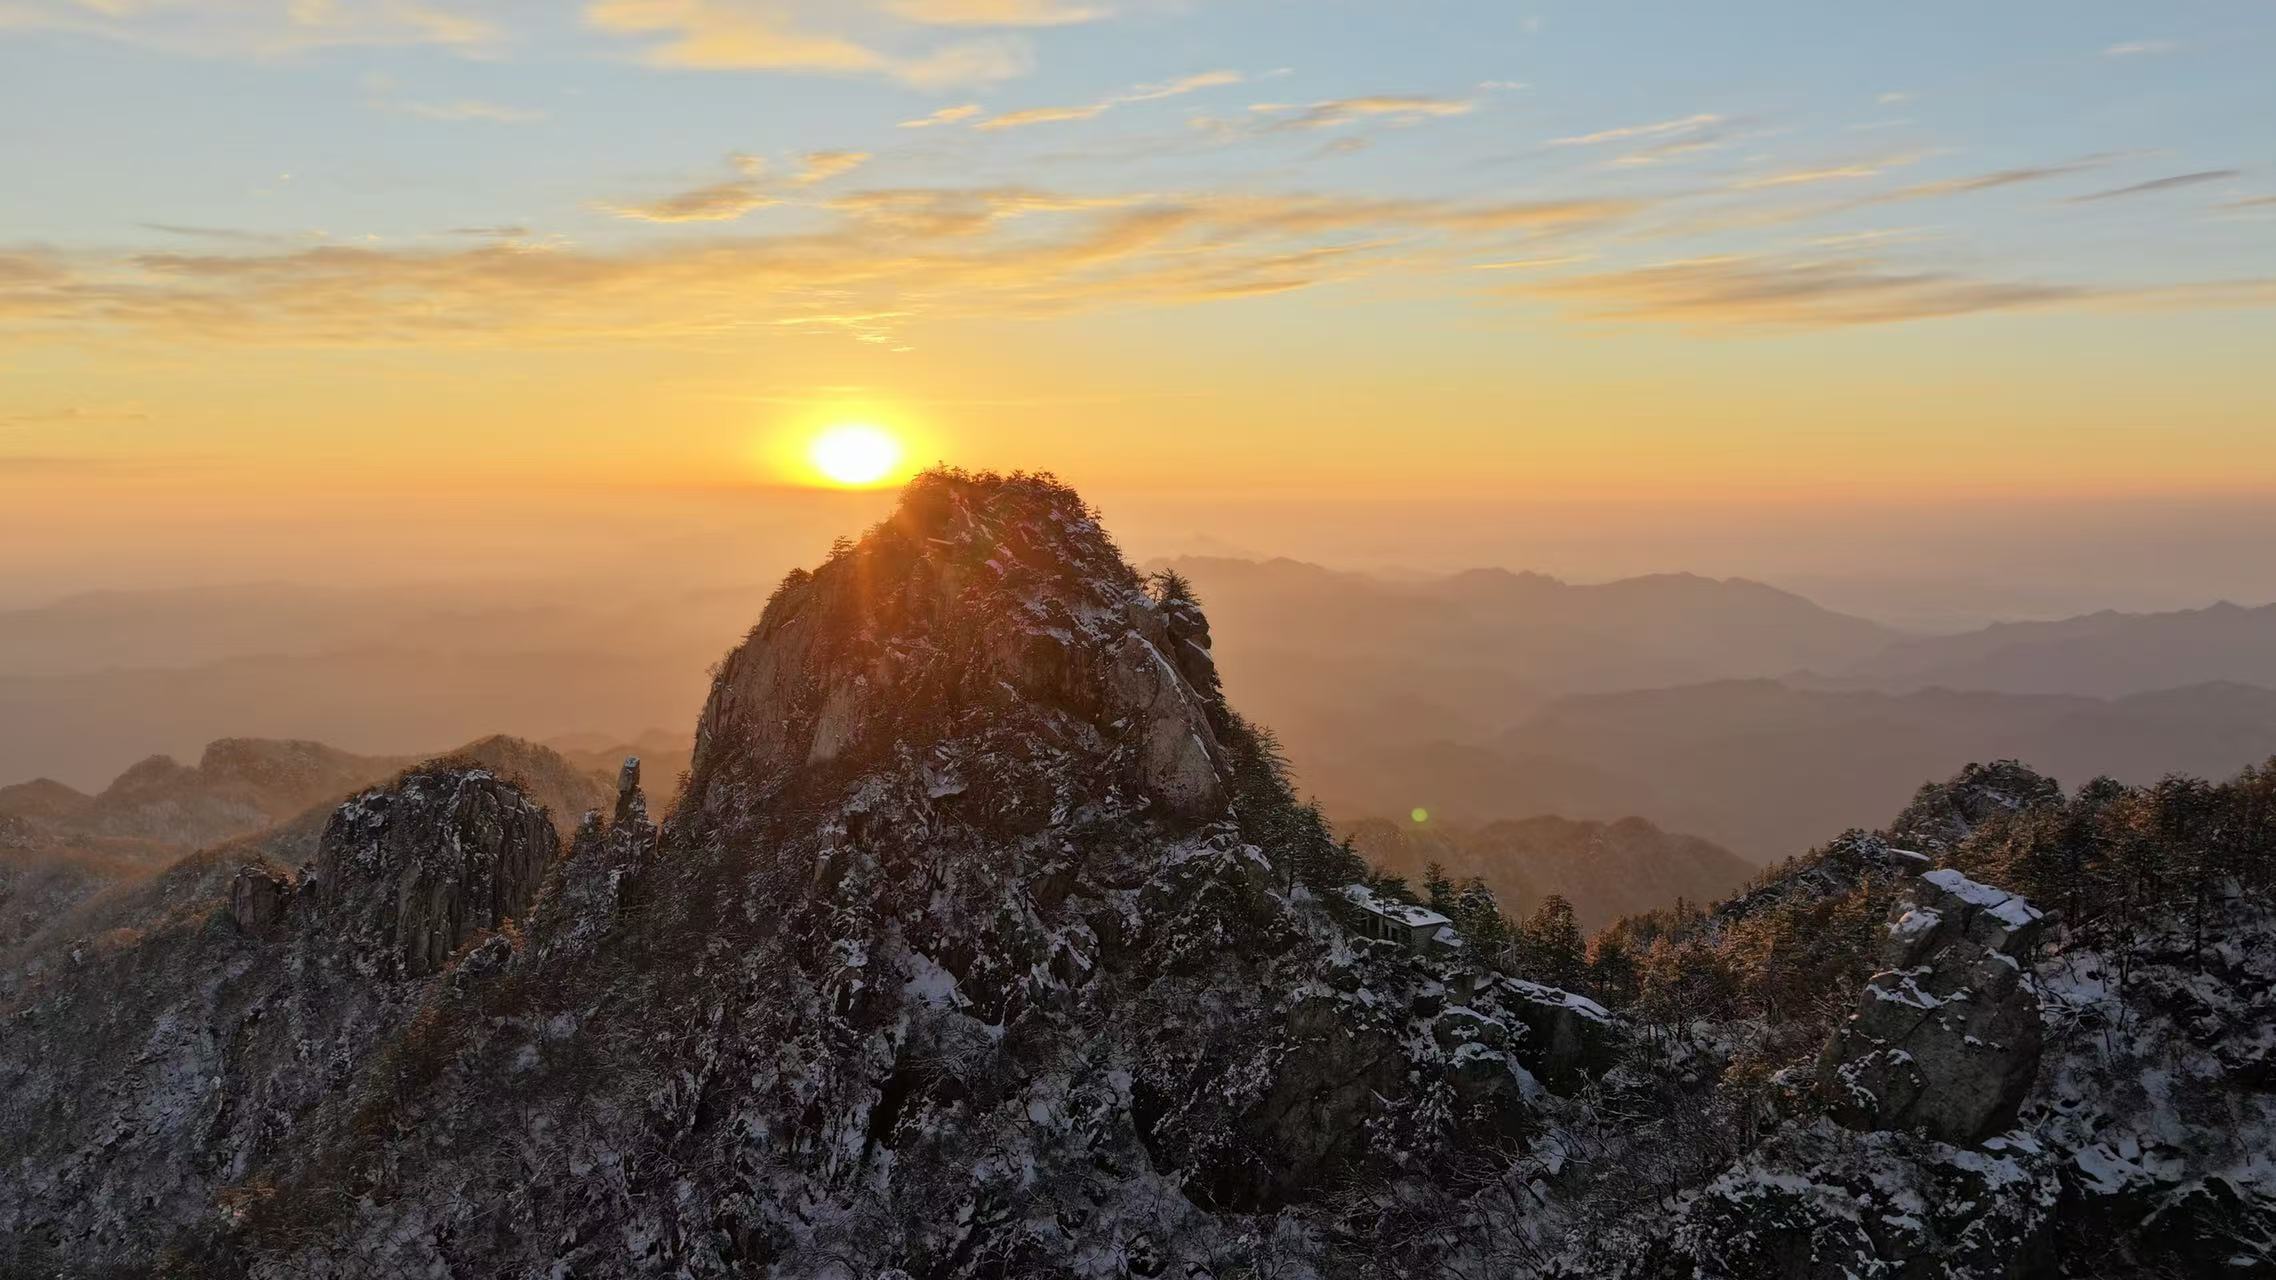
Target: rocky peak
x,y
985,606
631,803
1944,814
407,873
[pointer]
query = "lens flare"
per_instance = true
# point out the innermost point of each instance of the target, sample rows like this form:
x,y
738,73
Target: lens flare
x,y
855,455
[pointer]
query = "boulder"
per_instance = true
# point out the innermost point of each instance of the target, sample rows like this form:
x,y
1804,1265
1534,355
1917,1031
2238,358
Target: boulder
x,y
258,898
1946,1038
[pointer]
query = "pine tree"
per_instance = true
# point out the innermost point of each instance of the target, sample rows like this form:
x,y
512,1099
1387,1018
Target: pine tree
x,y
1554,951
1612,971
1439,888
1479,918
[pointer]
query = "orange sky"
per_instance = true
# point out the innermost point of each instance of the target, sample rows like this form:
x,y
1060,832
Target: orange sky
x,y
321,263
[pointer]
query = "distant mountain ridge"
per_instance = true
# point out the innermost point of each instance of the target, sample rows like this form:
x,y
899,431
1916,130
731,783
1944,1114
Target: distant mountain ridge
x,y
1340,664
1758,764
2107,654
1729,709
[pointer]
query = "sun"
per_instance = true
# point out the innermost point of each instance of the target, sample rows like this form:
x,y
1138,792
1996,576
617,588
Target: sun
x,y
855,455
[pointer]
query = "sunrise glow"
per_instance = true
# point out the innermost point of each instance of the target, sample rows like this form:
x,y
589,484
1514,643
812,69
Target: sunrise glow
x,y
856,455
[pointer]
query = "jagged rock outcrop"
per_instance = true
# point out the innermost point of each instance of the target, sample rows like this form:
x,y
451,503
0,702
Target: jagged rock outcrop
x,y
2017,1097
1945,1041
1944,814
1817,1203
585,893
234,1021
405,874
258,898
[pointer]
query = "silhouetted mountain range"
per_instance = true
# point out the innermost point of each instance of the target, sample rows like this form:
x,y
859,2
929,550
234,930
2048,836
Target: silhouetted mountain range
x,y
1491,695
2106,654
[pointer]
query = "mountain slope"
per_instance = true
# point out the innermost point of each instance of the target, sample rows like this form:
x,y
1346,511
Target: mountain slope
x,y
987,940
984,941
1884,1059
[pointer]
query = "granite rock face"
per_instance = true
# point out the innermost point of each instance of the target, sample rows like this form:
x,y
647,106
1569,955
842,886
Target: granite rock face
x,y
1946,1038
970,602
407,874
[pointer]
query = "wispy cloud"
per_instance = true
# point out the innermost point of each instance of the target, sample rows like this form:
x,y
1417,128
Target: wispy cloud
x,y
734,35
1668,150
1750,292
712,202
1989,181
945,116
919,253
1817,174
2158,184
1395,110
1338,112
230,235
1092,110
822,166
1041,115
2140,48
1627,133
1760,291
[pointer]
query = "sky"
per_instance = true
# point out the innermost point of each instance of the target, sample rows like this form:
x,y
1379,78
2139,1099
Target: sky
x,y
295,287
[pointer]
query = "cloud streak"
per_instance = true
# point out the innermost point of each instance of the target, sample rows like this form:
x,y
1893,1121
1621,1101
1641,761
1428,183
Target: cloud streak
x,y
1990,181
1760,291
1822,174
1629,133
1093,110
2155,185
